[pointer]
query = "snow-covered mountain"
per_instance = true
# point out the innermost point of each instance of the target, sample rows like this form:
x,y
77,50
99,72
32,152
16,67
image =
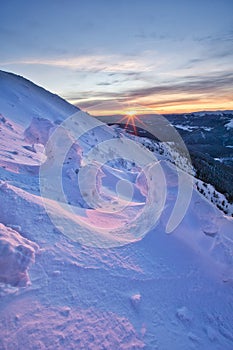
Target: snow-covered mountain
x,y
85,260
22,101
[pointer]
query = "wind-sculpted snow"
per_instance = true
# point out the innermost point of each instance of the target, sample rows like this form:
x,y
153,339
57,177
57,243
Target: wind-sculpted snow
x,y
16,254
15,152
203,228
103,272
135,224
38,131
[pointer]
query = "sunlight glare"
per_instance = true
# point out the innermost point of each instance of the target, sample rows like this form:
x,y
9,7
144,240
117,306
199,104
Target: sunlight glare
x,y
131,114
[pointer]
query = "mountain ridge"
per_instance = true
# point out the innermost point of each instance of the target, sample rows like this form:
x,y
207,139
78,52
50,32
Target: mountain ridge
x,y
28,100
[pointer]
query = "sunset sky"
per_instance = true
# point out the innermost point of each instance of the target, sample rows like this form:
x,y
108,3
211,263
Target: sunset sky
x,y
110,57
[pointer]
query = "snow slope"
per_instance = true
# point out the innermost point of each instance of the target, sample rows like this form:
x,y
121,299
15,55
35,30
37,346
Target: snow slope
x,y
21,100
77,272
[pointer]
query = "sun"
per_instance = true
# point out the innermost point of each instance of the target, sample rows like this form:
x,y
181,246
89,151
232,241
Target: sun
x,y
132,121
131,114
129,119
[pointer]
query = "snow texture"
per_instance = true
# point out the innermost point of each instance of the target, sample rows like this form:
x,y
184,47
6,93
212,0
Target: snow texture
x,y
16,254
153,291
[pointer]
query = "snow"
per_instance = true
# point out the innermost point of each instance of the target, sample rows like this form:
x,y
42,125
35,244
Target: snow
x,y
185,127
215,197
21,100
229,125
223,159
135,299
206,128
206,113
184,314
75,329
38,131
88,264
16,254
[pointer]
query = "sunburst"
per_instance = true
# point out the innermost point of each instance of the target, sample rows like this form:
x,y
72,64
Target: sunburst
x,y
131,118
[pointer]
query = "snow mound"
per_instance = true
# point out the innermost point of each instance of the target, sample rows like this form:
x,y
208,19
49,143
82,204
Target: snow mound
x,y
15,151
16,254
38,131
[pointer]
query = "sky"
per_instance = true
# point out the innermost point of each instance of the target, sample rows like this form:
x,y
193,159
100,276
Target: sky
x,y
115,56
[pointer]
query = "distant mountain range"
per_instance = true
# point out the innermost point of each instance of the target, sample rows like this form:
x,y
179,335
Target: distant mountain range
x,y
209,139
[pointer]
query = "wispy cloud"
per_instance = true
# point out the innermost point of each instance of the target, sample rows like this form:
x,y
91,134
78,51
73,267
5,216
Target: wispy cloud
x,y
212,83
216,46
192,90
145,79
93,63
191,85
